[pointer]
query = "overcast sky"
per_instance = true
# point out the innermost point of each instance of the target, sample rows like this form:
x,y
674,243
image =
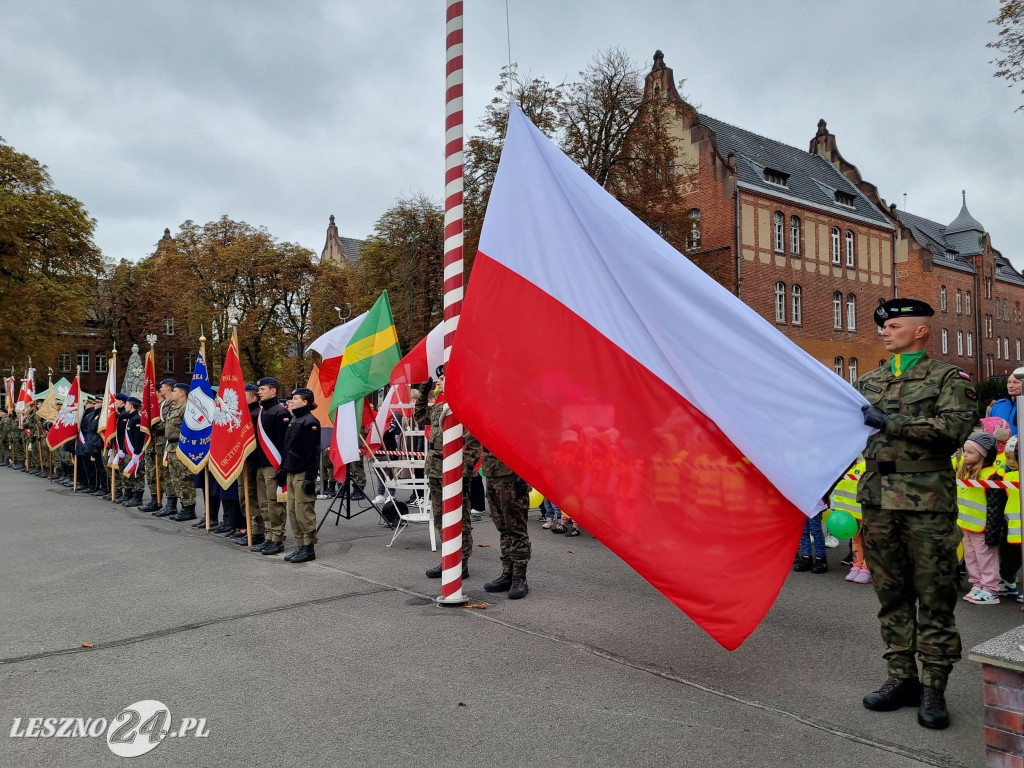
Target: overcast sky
x,y
281,114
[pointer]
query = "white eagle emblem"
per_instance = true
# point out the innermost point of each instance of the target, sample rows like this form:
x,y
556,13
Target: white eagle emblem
x,y
227,411
68,413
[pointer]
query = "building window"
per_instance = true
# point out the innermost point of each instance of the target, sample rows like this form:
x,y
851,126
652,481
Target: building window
x,y
997,349
959,301
950,255
190,362
988,326
693,240
1006,310
942,298
1017,349
1016,311
780,302
838,367
997,309
670,168
83,360
851,313
988,287
778,178
945,342
101,363
1006,348
64,362
798,310
844,198
836,259
169,326
849,249
970,344
794,235
853,370
959,342
168,362
779,232
967,303
837,311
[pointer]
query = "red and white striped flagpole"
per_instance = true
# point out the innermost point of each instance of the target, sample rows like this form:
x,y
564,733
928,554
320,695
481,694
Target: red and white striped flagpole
x,y
451,519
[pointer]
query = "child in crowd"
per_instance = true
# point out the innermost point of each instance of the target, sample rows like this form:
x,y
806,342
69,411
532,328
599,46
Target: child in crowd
x,y
980,514
549,512
566,525
1009,545
844,497
812,533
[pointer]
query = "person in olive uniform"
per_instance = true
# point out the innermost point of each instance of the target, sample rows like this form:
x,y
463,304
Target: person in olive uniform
x,y
271,424
509,498
299,461
155,452
923,410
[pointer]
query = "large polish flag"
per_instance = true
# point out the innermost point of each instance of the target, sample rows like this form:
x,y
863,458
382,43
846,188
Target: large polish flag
x,y
677,425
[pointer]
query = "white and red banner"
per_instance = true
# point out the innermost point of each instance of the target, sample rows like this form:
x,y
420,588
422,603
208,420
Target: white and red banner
x,y
422,362
107,426
65,425
665,415
26,396
331,347
9,389
149,411
233,436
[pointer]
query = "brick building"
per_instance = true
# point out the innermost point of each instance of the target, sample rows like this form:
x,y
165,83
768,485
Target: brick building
x,y
798,235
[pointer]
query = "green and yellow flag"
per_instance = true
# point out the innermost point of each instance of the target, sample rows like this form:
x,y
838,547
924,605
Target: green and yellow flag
x,y
369,356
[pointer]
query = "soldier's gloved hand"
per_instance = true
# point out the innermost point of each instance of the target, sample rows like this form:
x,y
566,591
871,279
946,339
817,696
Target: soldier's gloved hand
x,y
308,487
426,387
521,486
281,478
874,417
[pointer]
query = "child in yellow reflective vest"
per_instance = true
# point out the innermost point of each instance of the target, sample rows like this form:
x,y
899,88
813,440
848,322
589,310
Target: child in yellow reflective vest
x,y
844,497
979,515
1009,545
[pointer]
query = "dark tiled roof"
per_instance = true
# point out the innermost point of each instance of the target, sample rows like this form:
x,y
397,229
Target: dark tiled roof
x,y
932,235
352,247
812,178
1005,270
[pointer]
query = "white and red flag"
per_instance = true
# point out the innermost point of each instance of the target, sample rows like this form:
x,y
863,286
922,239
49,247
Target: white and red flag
x,y
26,396
422,362
107,426
149,411
65,425
9,388
233,436
677,425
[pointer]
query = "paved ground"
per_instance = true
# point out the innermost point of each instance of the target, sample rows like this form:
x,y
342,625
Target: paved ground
x,y
346,661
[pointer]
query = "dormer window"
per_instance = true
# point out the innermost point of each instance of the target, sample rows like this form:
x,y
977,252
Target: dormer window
x,y
778,178
844,198
950,255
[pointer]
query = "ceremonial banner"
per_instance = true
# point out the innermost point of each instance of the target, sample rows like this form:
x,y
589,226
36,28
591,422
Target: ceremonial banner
x,y
65,425
107,427
48,409
665,415
421,364
370,355
194,443
26,396
9,390
149,411
233,436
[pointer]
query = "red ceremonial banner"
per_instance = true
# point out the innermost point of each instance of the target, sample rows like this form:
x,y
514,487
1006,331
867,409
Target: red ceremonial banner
x,y
233,436
65,426
149,413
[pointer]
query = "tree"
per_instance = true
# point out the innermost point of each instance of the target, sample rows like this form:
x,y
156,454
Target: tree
x,y
49,265
1010,42
405,255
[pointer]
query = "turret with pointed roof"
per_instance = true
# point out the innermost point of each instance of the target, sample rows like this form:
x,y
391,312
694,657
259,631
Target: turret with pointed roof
x,y
965,233
340,250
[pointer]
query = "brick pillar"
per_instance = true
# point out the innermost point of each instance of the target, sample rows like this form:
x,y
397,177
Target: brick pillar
x,y
1003,690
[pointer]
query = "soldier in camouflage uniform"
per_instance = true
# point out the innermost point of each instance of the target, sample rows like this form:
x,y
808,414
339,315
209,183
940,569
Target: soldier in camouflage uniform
x,y
433,414
924,410
181,482
155,452
509,498
5,441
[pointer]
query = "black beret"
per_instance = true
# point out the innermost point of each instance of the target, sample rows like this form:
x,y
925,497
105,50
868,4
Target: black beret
x,y
121,396
168,382
269,381
251,388
303,391
182,385
894,308
134,400
439,372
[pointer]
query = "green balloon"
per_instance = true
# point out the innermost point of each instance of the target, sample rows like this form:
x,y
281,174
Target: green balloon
x,y
842,524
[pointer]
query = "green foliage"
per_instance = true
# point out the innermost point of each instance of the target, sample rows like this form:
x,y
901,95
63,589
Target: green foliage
x,y
49,265
1010,42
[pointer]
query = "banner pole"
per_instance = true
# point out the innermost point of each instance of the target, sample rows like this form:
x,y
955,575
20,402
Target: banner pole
x,y
74,472
451,451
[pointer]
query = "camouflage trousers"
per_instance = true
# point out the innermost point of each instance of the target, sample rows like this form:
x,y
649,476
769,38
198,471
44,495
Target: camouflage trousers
x,y
182,482
357,473
913,563
436,511
154,456
510,509
5,451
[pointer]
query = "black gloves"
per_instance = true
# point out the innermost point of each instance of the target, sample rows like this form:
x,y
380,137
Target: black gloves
x,y
873,417
522,487
308,487
426,386
281,478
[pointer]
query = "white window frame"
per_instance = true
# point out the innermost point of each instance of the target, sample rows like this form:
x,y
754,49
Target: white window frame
x,y
960,343
794,235
942,298
780,302
851,312
959,301
852,367
779,229
967,302
64,361
970,344
849,248
796,304
945,342
82,358
838,366
837,310
836,256
101,363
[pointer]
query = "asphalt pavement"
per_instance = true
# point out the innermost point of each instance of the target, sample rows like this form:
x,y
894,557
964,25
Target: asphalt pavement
x,y
347,661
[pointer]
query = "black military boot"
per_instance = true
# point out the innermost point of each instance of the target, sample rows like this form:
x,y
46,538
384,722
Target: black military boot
x,y
119,496
188,512
802,563
294,553
305,554
150,506
820,565
933,712
519,588
501,584
134,500
896,692
273,548
169,508
258,542
435,572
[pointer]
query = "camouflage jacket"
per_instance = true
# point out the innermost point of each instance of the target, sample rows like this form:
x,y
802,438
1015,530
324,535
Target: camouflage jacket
x,y
172,424
932,409
432,414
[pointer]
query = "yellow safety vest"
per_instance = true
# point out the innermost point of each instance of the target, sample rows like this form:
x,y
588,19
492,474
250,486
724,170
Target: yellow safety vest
x,y
972,510
1012,510
999,465
844,495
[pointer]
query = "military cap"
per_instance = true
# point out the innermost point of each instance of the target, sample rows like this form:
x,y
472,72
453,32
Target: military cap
x,y
439,371
1018,373
894,308
134,400
303,391
121,396
182,385
251,388
269,381
168,382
